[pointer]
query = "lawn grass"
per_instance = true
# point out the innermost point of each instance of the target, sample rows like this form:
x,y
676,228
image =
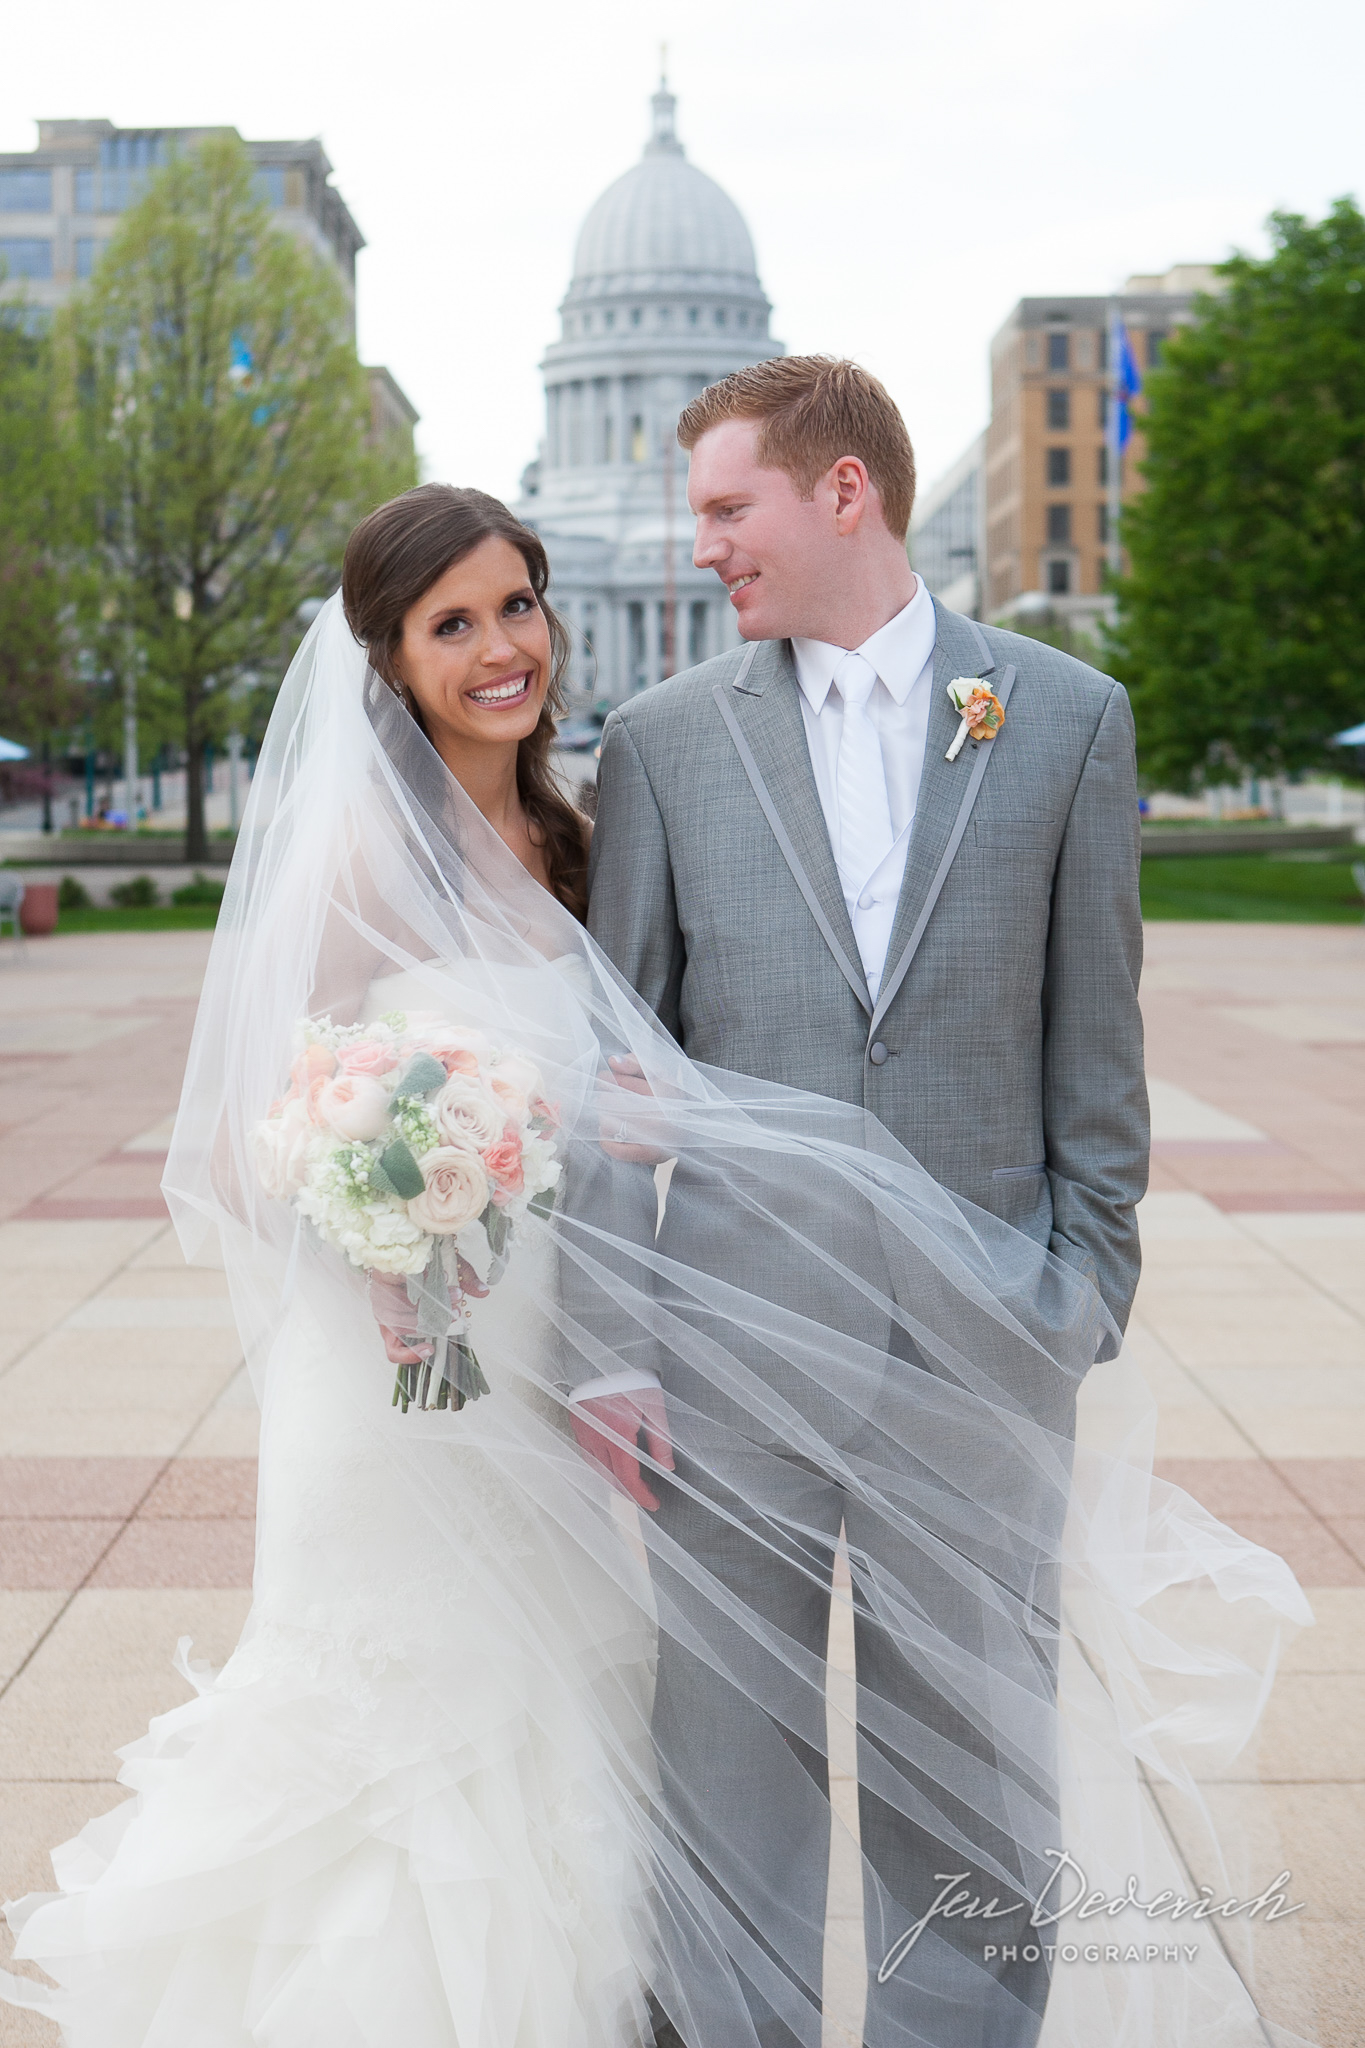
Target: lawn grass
x,y
1246,887
157,917
1254,887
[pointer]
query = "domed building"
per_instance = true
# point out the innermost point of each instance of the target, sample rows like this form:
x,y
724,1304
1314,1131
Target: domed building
x,y
664,300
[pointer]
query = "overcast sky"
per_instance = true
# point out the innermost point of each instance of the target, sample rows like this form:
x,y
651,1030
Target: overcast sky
x,y
907,170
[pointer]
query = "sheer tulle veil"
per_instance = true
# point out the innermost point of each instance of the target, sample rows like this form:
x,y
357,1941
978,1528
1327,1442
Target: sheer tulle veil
x,y
1054,1647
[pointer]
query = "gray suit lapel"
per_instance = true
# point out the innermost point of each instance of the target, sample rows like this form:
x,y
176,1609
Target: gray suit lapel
x,y
762,710
947,792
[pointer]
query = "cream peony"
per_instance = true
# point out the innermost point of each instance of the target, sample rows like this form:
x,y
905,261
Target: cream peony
x,y
281,1148
518,1085
354,1106
468,1115
456,1191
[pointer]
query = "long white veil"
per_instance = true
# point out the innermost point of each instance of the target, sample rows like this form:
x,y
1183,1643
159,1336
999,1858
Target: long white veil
x,y
1048,1639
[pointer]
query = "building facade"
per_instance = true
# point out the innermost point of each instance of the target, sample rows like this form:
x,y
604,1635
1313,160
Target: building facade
x,y
60,204
948,533
664,299
1046,475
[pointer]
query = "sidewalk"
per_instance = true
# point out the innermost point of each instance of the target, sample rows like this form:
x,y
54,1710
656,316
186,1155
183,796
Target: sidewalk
x,y
127,1429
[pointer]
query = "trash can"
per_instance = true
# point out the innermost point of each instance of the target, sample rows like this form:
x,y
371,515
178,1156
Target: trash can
x,y
38,911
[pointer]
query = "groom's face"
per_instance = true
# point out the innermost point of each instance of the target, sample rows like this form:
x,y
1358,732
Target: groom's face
x,y
778,554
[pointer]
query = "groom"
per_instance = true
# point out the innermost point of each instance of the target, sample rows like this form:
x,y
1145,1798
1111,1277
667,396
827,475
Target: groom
x,y
807,882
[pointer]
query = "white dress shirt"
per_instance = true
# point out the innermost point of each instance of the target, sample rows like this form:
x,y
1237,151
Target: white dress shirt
x,y
902,653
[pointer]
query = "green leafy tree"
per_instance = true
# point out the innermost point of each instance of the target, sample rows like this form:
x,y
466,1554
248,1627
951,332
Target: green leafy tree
x,y
226,424
1241,629
39,562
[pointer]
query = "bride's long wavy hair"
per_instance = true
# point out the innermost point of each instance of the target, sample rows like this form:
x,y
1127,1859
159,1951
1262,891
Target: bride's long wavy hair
x,y
392,558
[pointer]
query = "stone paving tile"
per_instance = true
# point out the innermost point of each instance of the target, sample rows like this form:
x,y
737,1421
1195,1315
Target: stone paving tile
x,y
103,1672
180,1553
34,1487
203,1489
40,1555
92,1409
24,1618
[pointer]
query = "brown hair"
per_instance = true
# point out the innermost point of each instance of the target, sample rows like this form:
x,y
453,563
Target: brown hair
x,y
392,558
811,411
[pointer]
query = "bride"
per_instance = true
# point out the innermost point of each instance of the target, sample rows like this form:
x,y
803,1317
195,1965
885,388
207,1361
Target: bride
x,y
421,1804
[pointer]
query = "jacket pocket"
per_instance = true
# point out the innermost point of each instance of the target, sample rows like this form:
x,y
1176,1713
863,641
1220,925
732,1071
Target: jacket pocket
x,y
1018,1172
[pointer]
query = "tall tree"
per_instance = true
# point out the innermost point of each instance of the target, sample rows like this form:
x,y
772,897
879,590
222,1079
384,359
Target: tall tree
x,y
38,559
226,421
1241,628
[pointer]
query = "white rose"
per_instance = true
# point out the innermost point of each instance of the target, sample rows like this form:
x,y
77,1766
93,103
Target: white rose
x,y
456,1191
468,1115
281,1148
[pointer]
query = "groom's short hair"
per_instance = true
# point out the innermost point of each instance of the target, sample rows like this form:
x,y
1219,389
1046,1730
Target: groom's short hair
x,y
811,410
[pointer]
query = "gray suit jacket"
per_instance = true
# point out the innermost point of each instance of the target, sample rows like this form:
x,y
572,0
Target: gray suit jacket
x,y
1005,1048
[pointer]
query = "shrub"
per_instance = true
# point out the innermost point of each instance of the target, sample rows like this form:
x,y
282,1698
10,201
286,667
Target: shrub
x,y
72,895
201,890
137,894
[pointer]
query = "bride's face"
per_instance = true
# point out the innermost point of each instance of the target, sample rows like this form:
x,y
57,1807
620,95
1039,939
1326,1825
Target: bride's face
x,y
475,651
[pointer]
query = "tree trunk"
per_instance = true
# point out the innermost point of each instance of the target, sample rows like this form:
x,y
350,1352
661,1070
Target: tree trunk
x,y
196,832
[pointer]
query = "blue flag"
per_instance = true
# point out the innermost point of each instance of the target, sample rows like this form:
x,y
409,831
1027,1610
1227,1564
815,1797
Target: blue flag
x,y
1129,380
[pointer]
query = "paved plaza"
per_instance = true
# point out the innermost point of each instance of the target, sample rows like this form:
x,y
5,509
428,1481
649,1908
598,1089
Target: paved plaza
x,y
127,1428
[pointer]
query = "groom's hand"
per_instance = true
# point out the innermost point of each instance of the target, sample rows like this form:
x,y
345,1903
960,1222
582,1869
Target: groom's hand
x,y
609,1430
614,1131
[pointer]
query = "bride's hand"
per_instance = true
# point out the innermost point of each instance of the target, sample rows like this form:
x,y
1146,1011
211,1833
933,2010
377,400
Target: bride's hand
x,y
397,1317
609,1429
614,1131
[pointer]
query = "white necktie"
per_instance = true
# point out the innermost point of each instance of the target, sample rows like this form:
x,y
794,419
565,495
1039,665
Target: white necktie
x,y
865,834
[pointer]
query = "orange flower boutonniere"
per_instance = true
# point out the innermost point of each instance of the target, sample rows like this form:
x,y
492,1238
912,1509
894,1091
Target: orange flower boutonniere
x,y
982,713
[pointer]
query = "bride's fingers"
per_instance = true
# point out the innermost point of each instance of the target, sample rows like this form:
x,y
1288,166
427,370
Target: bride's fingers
x,y
398,1350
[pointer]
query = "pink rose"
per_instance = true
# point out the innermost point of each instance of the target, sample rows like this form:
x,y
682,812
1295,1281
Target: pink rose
x,y
503,1162
351,1105
468,1115
314,1063
368,1057
456,1191
280,1147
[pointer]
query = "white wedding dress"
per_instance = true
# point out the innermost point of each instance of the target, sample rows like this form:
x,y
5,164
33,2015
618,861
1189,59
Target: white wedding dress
x,y
392,1817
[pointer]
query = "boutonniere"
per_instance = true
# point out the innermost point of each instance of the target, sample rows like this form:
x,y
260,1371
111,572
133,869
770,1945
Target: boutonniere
x,y
982,712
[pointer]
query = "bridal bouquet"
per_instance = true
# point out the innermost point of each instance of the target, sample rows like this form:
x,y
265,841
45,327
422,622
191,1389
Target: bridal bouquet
x,y
416,1147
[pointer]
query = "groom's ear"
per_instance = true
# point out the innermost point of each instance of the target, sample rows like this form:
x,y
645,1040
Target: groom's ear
x,y
850,491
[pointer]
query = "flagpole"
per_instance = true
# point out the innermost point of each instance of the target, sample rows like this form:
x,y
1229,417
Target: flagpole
x,y
1114,438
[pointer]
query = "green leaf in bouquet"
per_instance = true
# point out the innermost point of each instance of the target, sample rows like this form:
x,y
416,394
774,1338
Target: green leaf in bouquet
x,y
469,1379
542,1204
379,1180
421,1074
495,1223
405,1175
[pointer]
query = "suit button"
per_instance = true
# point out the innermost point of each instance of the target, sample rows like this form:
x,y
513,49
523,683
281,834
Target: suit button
x,y
877,1054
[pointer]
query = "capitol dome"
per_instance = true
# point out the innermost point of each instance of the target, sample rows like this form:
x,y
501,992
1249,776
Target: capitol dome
x,y
664,299
662,218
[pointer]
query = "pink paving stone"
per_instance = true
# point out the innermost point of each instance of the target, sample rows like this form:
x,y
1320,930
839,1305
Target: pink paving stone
x,y
1309,1547
204,1489
180,1553
44,1555
1351,1531
39,1488
121,1209
1331,1486
1235,1486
